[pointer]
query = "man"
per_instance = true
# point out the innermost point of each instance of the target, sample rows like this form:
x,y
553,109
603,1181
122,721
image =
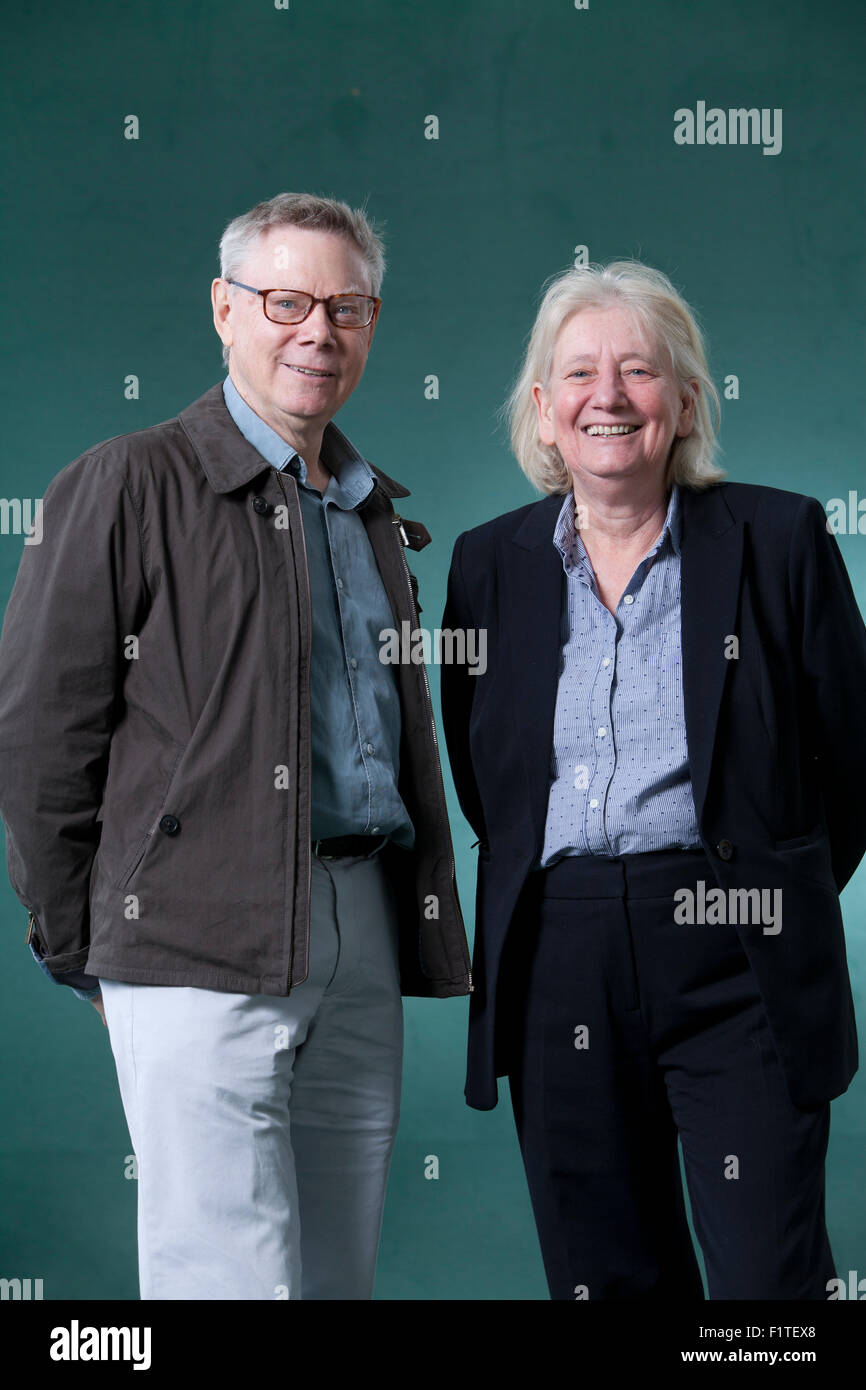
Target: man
x,y
224,813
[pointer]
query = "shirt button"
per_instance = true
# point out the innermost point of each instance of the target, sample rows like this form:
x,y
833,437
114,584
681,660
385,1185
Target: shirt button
x,y
629,598
606,661
370,748
339,583
375,830
593,803
602,731
353,663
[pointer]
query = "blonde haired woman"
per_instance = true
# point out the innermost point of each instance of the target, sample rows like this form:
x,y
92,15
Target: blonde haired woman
x,y
664,763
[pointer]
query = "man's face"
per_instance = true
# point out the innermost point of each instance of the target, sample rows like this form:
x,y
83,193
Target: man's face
x,y
295,376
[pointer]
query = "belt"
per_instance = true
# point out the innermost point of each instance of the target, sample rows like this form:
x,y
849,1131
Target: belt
x,y
348,846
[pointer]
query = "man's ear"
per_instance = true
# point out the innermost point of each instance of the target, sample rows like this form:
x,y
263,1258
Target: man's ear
x,y
222,307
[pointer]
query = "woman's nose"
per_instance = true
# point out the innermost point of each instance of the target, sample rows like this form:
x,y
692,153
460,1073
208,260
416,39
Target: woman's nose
x,y
609,387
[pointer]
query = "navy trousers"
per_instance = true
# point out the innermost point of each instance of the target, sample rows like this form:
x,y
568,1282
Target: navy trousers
x,y
626,1029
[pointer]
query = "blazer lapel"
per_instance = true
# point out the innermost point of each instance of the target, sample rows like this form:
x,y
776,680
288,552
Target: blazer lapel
x,y
711,563
532,586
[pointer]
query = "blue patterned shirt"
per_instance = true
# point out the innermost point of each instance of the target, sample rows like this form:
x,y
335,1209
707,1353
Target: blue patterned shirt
x,y
620,766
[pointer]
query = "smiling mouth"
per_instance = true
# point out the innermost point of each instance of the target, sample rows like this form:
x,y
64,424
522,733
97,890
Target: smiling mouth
x,y
602,431
308,371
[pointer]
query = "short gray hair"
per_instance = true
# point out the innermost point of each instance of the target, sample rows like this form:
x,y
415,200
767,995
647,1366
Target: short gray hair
x,y
302,210
663,314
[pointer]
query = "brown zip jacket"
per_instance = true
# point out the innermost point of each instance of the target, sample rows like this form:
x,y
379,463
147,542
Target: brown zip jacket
x,y
155,722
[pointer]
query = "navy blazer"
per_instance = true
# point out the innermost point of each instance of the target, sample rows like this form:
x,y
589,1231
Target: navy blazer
x,y
776,739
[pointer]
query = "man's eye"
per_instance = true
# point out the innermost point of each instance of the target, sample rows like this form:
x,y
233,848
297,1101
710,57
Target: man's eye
x,y
638,371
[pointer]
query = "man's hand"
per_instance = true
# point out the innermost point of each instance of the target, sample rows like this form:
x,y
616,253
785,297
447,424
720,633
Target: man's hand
x,y
99,1007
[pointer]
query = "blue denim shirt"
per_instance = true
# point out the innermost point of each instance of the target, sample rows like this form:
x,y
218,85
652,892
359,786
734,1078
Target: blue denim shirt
x,y
354,697
355,702
620,779
84,986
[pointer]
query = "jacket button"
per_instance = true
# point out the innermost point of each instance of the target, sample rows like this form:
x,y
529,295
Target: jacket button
x,y
169,825
725,849
262,506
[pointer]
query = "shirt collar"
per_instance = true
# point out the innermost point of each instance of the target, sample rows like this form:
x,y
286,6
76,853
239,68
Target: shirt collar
x,y
566,536
352,478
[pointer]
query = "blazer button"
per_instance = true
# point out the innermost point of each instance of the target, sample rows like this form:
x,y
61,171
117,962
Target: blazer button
x,y
169,825
725,849
262,506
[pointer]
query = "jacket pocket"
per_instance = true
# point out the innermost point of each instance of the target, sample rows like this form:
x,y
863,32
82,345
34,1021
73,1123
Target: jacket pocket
x,y
811,837
808,857
133,863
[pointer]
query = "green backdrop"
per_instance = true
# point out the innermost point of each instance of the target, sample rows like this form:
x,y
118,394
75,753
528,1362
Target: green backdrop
x,y
555,131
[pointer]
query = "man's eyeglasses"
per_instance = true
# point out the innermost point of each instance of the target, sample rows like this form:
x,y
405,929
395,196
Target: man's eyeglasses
x,y
293,306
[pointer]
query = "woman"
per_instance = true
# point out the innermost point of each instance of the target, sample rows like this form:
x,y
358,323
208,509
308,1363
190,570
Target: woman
x,y
664,762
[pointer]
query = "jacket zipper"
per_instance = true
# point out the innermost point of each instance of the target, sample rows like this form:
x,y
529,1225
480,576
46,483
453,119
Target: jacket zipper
x,y
397,521
310,758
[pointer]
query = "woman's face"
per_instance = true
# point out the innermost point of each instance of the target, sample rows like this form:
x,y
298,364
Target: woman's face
x,y
612,407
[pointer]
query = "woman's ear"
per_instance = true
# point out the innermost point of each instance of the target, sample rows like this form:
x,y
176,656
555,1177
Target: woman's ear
x,y
688,402
542,406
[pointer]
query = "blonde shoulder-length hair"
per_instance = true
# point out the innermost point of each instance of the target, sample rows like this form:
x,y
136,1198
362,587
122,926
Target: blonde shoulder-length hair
x,y
665,317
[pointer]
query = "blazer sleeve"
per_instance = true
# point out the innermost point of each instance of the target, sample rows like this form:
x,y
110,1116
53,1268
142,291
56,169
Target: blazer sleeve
x,y
457,692
77,596
832,640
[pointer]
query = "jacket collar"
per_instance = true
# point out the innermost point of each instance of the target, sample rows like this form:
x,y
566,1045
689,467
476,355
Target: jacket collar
x,y
227,459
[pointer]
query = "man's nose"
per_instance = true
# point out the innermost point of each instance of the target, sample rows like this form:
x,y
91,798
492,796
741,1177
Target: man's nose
x,y
317,326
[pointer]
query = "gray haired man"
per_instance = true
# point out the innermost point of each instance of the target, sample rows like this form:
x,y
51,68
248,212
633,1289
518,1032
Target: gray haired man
x,y
224,812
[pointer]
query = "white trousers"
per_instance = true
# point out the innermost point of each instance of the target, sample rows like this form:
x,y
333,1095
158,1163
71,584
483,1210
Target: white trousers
x,y
263,1126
